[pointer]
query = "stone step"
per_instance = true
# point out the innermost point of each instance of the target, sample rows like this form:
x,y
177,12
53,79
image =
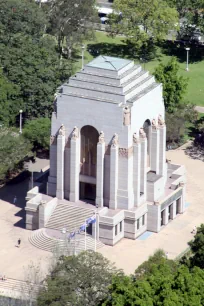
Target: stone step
x,y
143,92
40,239
139,87
69,216
18,285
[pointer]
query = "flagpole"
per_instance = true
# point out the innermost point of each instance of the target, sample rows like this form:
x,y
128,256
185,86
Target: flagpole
x,y
95,233
85,237
75,242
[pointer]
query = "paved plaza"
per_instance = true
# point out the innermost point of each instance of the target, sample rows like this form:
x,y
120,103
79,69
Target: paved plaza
x,y
127,254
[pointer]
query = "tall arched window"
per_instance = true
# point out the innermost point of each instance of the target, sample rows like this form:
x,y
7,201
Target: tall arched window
x,y
146,127
89,140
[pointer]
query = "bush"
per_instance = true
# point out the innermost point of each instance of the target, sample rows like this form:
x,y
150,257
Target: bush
x,y
37,131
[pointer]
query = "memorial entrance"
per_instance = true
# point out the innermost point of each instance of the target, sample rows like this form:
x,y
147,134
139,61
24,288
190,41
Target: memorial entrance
x,y
89,140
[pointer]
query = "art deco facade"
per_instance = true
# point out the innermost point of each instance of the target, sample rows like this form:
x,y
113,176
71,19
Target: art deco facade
x,y
108,143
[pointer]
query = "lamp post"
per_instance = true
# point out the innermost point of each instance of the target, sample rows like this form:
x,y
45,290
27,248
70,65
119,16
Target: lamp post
x,y
187,58
20,130
82,56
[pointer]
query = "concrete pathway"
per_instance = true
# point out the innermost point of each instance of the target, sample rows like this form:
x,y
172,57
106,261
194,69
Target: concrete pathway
x,y
200,109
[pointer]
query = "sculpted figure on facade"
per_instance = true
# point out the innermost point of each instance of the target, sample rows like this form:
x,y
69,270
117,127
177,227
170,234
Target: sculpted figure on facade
x,y
154,124
75,133
126,116
142,133
101,137
135,138
161,121
114,140
52,139
62,130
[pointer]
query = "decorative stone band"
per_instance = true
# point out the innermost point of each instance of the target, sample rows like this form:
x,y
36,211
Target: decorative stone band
x,y
53,140
125,152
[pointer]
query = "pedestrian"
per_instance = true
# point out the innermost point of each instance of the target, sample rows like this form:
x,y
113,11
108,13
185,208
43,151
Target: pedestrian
x,y
167,255
15,200
194,230
19,242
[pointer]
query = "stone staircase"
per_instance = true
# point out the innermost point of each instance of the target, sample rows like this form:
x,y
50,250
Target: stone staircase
x,y
41,240
68,216
17,288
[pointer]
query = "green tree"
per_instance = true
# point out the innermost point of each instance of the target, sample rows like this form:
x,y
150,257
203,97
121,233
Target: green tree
x,y
14,150
78,280
29,58
174,86
37,131
197,248
143,22
191,12
70,21
10,101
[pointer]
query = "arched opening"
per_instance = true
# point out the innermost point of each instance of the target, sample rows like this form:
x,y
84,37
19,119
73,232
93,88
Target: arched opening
x,y
88,161
146,127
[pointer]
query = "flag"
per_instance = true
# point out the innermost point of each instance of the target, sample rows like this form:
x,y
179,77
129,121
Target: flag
x,y
72,235
91,220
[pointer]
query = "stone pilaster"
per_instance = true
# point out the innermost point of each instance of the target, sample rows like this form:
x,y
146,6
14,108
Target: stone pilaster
x,y
74,166
173,210
155,147
162,147
136,169
60,163
113,172
166,216
100,170
143,165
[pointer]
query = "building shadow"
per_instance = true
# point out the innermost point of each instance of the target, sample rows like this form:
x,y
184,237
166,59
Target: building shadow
x,y
16,188
195,152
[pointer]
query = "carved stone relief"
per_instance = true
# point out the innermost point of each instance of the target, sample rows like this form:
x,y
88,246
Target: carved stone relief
x,y
126,116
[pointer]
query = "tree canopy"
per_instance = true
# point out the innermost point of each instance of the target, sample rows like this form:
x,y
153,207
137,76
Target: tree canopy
x,y
78,280
174,86
37,131
14,149
197,248
29,59
144,22
69,21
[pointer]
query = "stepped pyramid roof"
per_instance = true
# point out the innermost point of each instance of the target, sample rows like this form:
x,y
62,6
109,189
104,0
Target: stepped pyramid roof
x,y
110,79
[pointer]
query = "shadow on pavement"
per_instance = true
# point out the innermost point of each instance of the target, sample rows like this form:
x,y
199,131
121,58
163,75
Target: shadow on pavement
x,y
18,190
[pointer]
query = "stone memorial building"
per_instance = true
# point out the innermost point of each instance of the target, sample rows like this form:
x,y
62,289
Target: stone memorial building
x,y
108,143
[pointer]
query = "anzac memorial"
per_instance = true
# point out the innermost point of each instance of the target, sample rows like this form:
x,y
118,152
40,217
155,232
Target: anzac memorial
x,y
107,156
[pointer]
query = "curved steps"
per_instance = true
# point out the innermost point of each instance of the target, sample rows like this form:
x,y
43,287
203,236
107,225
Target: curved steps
x,y
69,216
14,287
41,240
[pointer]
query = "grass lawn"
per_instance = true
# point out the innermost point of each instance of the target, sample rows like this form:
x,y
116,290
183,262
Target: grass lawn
x,y
195,93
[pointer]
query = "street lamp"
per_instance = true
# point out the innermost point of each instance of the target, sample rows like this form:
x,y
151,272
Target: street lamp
x,y
82,56
96,228
20,111
187,59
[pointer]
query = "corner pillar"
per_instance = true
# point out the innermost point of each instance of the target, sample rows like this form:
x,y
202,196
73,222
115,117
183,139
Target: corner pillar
x,y
60,163
143,165
155,148
136,169
100,170
162,147
74,166
113,172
